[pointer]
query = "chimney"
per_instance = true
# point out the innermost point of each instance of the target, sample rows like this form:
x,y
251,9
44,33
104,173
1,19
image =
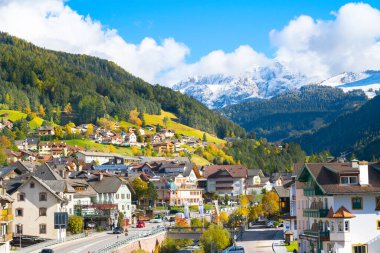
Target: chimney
x,y
355,164
363,173
100,176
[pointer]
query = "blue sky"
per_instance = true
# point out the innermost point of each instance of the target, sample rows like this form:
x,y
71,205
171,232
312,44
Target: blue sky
x,y
166,41
205,25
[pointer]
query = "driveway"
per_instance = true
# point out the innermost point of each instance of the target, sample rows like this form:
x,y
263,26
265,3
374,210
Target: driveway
x,y
259,239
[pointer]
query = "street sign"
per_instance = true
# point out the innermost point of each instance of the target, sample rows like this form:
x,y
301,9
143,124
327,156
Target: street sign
x,y
60,220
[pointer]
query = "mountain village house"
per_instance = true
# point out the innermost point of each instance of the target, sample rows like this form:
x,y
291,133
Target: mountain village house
x,y
342,210
226,179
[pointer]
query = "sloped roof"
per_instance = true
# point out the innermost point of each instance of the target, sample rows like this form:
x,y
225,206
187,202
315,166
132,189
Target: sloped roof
x,y
236,171
341,213
282,192
106,185
59,186
327,177
45,172
88,190
254,172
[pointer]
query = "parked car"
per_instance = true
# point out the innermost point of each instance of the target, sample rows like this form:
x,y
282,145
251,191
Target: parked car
x,y
270,224
156,220
140,224
172,219
118,230
47,251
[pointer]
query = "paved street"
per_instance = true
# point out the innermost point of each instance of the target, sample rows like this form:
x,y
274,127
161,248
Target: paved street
x,y
259,239
93,243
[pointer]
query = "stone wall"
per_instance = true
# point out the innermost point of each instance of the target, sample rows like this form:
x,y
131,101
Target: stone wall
x,y
148,243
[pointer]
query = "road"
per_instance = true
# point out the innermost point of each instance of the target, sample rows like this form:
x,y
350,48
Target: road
x,y
96,242
259,239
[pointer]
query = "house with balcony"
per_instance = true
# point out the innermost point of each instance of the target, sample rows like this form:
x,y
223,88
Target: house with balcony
x,y
112,190
342,210
226,179
6,220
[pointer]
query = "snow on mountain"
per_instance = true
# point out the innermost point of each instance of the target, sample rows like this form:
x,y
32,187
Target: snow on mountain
x,y
219,90
368,81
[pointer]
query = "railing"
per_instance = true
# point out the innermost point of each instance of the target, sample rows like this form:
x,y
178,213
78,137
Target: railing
x,y
49,243
122,243
6,215
315,213
309,191
323,235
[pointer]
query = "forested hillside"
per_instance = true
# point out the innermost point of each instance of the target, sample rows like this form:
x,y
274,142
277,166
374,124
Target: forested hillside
x,y
31,76
294,112
357,132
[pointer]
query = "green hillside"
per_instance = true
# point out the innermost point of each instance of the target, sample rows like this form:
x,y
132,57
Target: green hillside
x,y
357,132
16,115
295,112
31,76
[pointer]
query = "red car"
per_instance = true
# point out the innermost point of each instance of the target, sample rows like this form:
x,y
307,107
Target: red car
x,y
140,224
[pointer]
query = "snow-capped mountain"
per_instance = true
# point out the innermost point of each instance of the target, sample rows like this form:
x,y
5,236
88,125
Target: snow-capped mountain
x,y
217,91
368,81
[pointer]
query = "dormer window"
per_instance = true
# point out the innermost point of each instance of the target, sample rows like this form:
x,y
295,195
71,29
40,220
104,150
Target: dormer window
x,y
349,180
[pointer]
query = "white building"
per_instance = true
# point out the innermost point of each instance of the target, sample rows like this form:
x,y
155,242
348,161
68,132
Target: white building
x,y
112,190
226,179
34,207
343,207
98,157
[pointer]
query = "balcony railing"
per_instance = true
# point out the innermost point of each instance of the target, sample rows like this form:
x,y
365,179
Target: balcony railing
x,y
323,235
309,191
6,215
315,213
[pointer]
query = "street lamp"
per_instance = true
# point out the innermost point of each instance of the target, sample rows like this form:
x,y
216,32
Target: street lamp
x,y
19,225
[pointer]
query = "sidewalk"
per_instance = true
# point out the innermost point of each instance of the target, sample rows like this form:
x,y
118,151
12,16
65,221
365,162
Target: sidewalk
x,y
278,245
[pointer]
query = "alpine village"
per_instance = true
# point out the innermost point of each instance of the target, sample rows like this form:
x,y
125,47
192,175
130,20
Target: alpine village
x,y
110,146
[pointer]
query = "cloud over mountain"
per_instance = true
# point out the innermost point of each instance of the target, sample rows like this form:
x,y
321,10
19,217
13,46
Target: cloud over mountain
x,y
317,48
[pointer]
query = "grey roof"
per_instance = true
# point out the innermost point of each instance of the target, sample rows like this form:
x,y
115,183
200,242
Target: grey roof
x,y
282,192
149,159
106,185
45,172
254,172
32,140
59,186
88,192
16,167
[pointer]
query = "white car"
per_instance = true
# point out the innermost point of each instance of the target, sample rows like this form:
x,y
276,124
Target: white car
x,y
156,220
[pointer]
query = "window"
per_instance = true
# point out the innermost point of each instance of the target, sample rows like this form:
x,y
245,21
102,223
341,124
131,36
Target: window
x,y
377,208
42,211
349,180
43,196
19,212
42,228
122,196
359,249
357,203
128,196
19,229
117,196
332,226
32,185
378,224
21,197
340,226
346,226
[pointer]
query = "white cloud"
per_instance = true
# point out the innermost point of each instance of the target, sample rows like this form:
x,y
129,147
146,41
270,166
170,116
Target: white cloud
x,y
218,62
54,25
321,48
316,48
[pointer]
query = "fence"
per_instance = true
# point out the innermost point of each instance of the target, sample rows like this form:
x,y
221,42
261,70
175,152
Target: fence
x,y
119,244
49,243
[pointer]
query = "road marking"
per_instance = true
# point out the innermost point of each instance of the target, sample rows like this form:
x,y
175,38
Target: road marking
x,y
86,246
